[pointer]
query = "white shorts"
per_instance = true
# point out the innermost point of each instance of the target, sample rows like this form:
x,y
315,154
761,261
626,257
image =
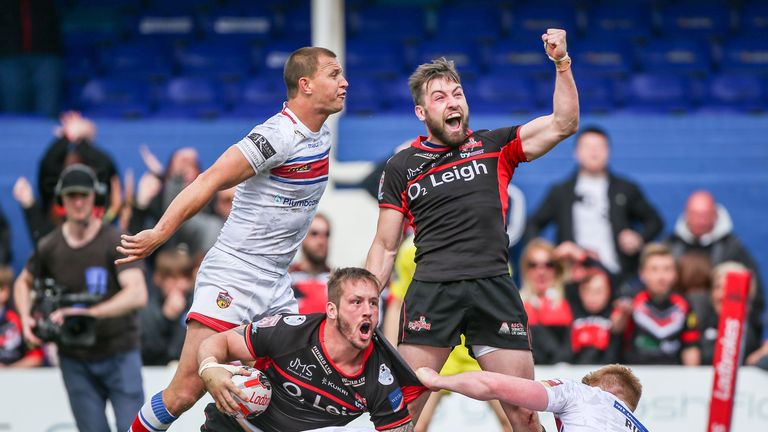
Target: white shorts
x,y
230,292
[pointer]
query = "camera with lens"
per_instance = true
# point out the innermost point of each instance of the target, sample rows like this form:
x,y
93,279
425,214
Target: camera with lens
x,y
75,331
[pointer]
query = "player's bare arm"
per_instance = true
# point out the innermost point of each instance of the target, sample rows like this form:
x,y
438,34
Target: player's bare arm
x,y
408,427
540,135
230,169
489,386
381,255
213,354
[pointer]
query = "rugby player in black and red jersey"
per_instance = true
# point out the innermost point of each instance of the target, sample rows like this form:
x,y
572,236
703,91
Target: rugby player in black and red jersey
x,y
451,185
325,369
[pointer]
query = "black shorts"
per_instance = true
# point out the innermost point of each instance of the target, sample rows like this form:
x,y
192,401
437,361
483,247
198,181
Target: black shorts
x,y
217,421
487,311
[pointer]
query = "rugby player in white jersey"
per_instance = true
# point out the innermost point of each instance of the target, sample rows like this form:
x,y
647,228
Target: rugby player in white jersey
x,y
280,169
603,401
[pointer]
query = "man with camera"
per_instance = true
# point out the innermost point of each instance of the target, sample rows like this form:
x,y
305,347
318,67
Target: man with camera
x,y
88,306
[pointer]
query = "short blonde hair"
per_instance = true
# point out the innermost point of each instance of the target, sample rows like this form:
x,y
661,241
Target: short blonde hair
x,y
617,375
526,292
652,250
722,269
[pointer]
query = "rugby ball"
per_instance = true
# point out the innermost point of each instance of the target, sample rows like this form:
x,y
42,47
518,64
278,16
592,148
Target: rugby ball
x,y
257,388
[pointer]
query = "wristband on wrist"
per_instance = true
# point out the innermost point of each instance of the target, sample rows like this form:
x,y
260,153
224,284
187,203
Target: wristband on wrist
x,y
563,63
210,362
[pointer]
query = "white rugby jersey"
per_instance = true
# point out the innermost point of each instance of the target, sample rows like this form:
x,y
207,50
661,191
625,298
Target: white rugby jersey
x,y
578,407
272,210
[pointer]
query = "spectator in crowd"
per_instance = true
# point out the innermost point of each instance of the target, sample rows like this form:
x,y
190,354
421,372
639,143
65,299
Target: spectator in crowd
x,y
5,240
73,143
695,281
79,256
309,275
30,57
163,325
13,351
543,294
598,209
706,228
458,361
661,327
709,321
157,189
594,340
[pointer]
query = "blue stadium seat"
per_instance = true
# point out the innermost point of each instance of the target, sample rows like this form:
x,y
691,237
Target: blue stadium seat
x,y
259,97
692,56
272,57
618,20
138,60
746,54
502,94
165,27
253,23
472,21
220,58
516,56
753,19
396,96
657,92
695,19
466,55
364,96
535,20
189,98
384,59
387,23
736,92
125,98
597,94
604,56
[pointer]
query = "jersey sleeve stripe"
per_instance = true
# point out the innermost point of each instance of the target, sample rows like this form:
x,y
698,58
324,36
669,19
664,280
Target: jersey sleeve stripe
x,y
393,207
213,323
395,424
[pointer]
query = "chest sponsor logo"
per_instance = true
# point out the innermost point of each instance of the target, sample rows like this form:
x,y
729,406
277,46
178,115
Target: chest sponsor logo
x,y
262,145
419,325
223,300
512,329
385,375
465,173
317,401
428,156
470,145
300,168
335,386
465,155
295,320
396,400
314,144
357,382
304,370
360,402
321,359
290,202
269,321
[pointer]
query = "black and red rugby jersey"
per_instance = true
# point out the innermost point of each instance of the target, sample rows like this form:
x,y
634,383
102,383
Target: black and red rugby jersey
x,y
309,392
456,200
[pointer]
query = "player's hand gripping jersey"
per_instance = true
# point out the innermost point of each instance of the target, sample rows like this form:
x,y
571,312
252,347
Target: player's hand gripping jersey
x,y
580,408
272,210
456,200
308,392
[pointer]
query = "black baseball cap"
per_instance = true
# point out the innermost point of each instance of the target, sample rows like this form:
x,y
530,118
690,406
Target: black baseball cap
x,y
77,178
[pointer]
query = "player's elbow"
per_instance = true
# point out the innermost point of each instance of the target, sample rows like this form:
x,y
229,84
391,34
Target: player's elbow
x,y
567,124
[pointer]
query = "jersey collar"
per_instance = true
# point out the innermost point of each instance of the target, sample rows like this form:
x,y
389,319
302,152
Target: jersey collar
x,y
298,124
421,143
366,354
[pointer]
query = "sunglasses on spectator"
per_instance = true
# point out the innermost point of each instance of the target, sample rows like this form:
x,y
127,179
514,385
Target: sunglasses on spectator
x,y
545,264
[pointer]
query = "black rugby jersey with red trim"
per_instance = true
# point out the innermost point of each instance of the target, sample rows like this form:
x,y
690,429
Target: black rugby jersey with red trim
x,y
456,200
309,392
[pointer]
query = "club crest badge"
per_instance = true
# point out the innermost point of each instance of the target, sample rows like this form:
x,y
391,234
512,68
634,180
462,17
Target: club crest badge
x,y
223,300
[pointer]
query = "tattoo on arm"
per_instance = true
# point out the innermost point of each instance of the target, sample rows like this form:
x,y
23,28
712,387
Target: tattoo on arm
x,y
408,427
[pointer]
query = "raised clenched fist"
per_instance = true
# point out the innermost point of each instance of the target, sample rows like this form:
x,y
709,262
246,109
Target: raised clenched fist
x,y
555,44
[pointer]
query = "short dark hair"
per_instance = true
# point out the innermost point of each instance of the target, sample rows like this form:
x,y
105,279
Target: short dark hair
x,y
595,129
351,274
6,276
302,63
439,68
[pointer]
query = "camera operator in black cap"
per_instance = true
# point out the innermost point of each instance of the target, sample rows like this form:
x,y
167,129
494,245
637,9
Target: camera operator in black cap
x,y
79,258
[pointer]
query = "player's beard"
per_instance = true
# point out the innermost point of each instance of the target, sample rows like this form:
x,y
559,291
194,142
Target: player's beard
x,y
348,331
437,129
